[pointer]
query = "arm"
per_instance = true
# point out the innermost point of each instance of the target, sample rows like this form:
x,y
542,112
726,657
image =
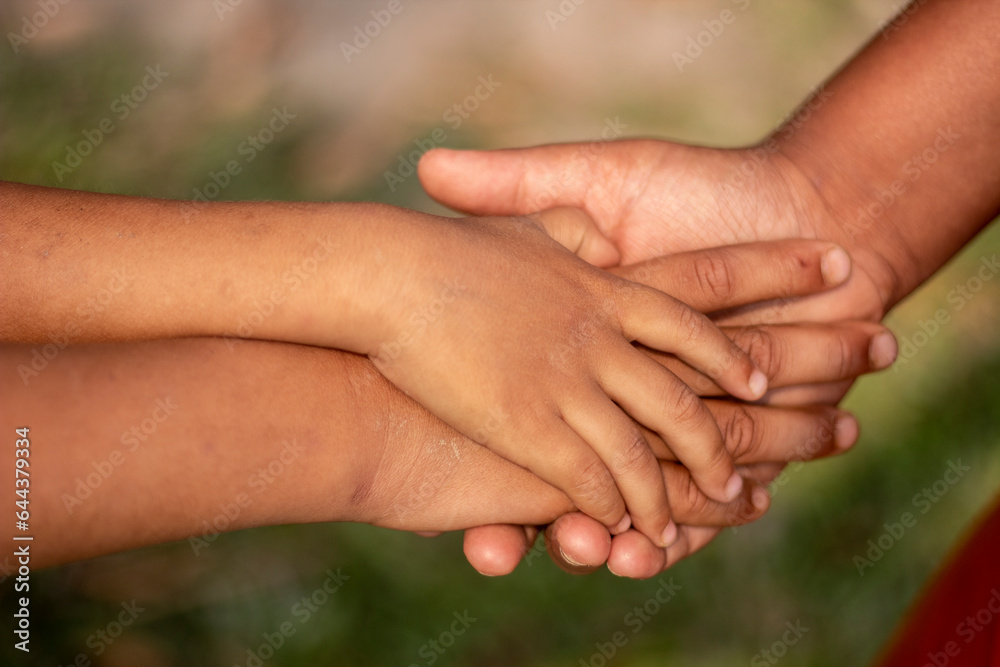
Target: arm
x,y
141,443
903,153
488,322
894,160
147,442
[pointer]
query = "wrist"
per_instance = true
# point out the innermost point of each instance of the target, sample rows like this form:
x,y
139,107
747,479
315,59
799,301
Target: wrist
x,y
831,205
309,273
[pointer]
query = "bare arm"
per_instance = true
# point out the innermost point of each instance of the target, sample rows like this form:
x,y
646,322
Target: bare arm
x,y
903,153
895,160
140,443
149,442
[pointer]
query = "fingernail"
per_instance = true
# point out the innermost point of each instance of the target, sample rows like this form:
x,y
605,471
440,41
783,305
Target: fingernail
x,y
669,535
883,350
835,265
562,554
845,431
613,572
760,498
734,486
757,384
623,525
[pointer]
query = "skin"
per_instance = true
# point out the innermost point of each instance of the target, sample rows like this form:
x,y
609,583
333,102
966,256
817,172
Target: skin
x,y
192,431
490,323
893,159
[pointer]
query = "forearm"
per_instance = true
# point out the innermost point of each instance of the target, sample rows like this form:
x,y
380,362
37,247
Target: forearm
x,y
149,442
902,144
81,267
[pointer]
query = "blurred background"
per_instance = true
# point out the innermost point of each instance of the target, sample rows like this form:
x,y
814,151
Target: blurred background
x,y
353,108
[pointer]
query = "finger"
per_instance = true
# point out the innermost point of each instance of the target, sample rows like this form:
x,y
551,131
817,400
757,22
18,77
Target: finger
x,y
577,232
495,550
761,434
659,401
796,354
663,323
633,555
761,473
727,277
507,182
694,508
829,393
696,538
577,543
621,446
427,533
562,455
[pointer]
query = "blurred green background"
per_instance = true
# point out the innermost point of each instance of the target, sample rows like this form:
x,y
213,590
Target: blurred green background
x,y
231,63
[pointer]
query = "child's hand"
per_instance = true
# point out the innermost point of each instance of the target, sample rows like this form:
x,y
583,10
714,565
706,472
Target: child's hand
x,y
526,348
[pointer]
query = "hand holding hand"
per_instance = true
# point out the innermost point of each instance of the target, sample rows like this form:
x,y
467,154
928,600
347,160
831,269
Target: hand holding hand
x,y
525,348
762,439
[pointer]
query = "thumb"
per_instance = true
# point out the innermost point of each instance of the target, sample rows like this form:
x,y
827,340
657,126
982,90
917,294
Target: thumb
x,y
576,231
506,182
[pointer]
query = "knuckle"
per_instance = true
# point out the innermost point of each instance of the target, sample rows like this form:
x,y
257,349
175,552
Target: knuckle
x,y
821,438
695,503
844,357
763,349
684,406
593,488
715,277
691,324
633,456
739,513
742,432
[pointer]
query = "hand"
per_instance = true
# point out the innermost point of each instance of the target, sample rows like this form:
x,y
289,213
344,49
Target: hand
x,y
351,447
653,198
524,347
769,438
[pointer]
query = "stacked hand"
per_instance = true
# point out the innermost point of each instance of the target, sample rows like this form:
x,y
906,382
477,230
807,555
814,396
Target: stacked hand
x,y
655,198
